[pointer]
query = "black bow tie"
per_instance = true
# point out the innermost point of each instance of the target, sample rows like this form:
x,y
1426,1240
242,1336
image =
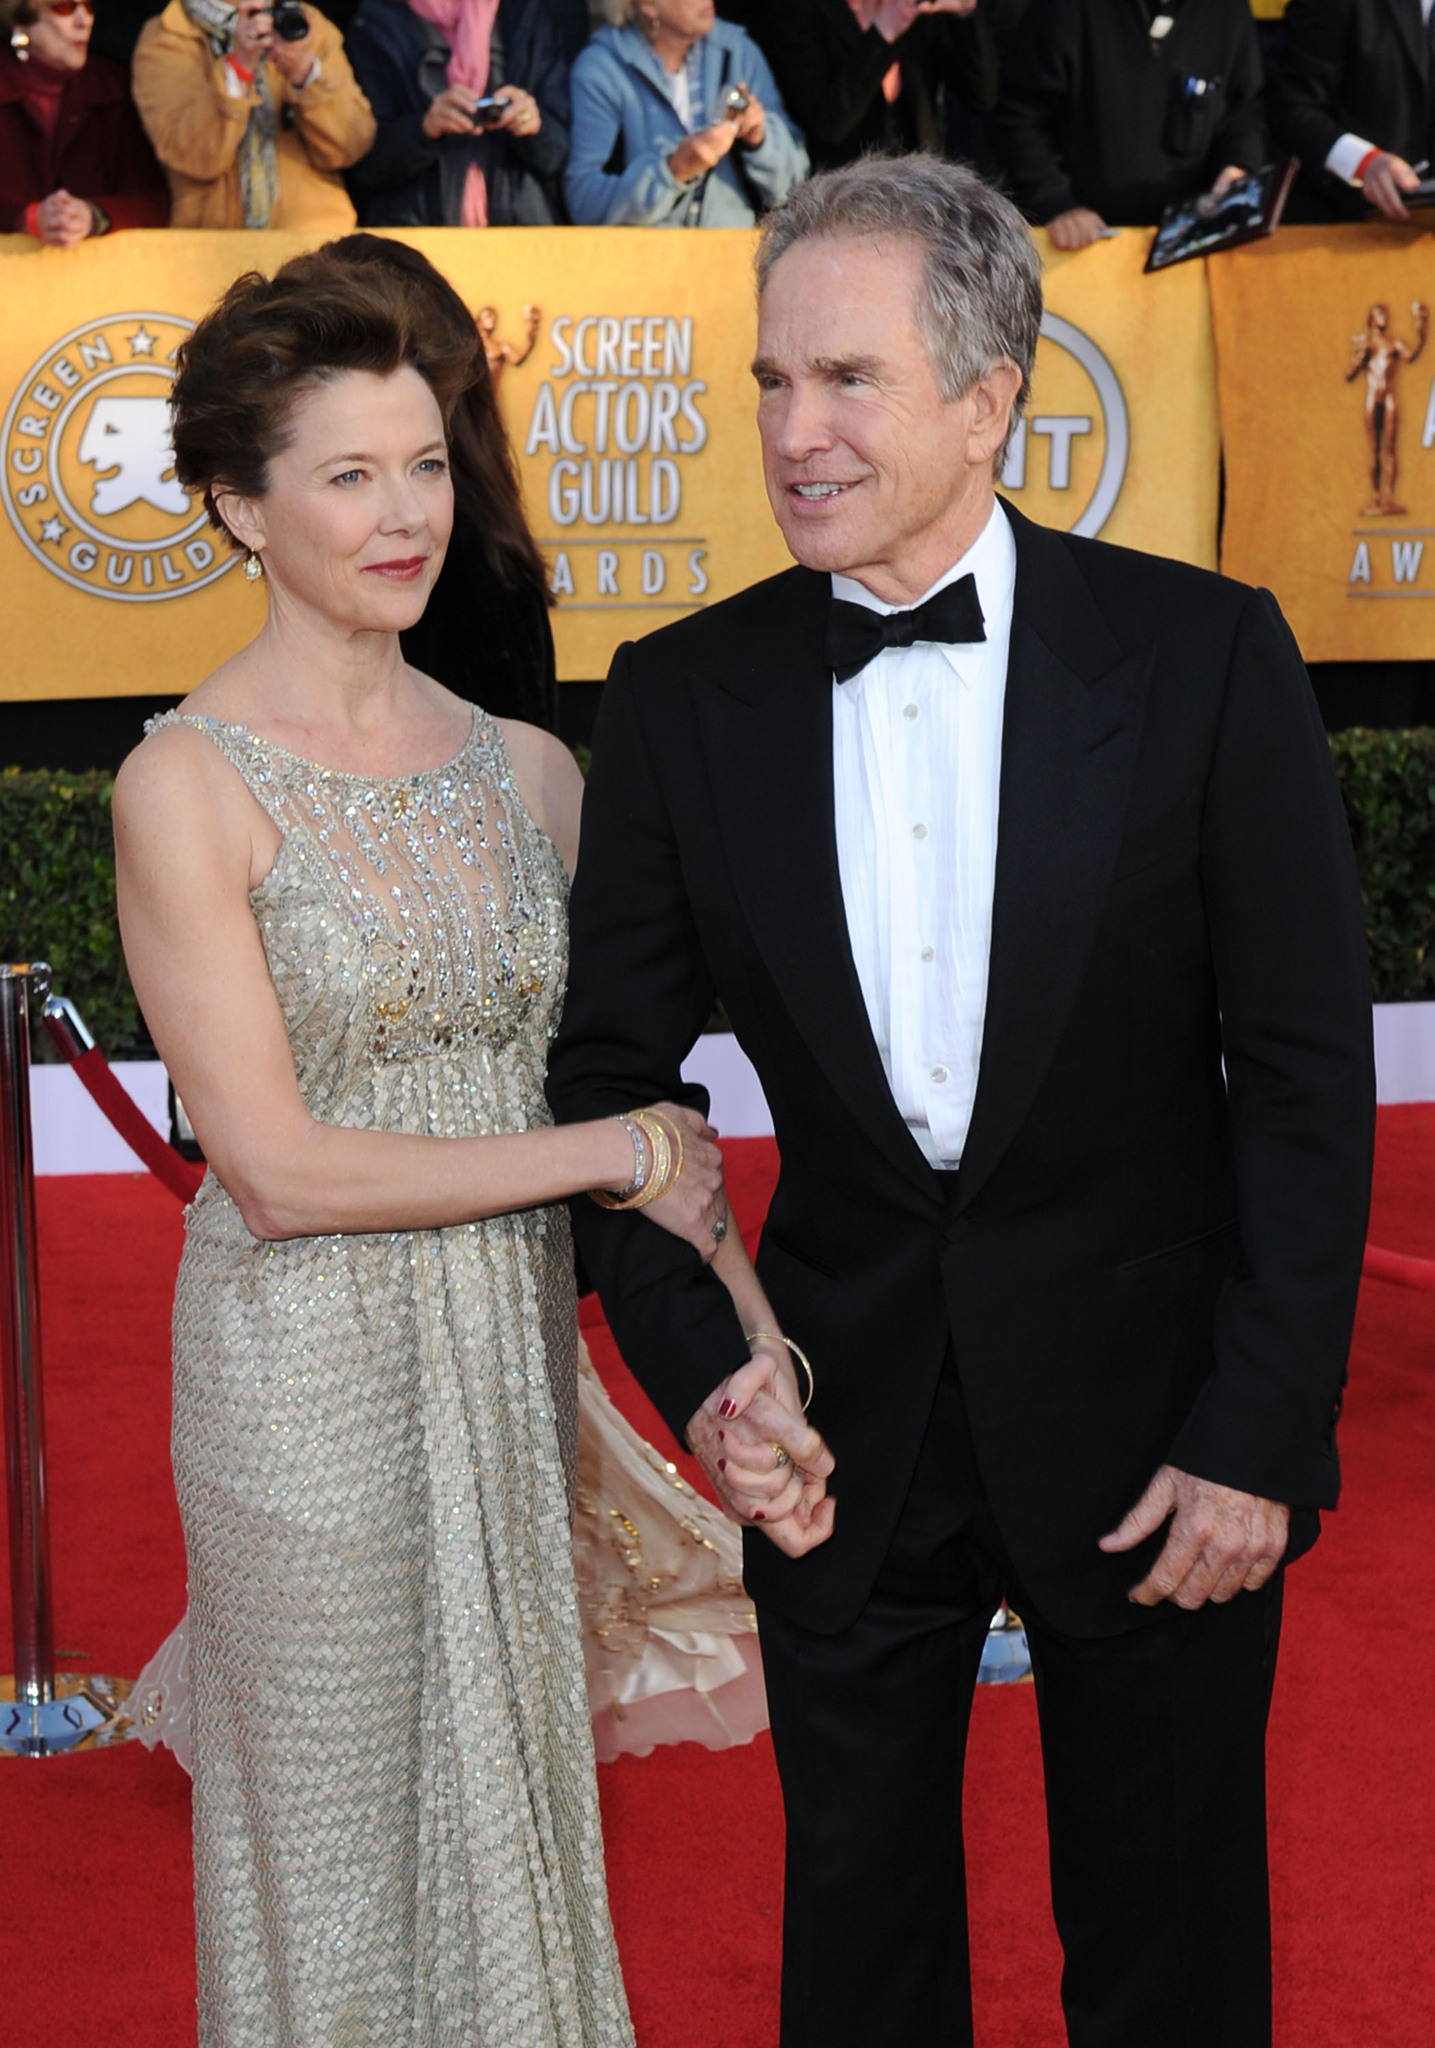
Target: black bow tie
x,y
857,635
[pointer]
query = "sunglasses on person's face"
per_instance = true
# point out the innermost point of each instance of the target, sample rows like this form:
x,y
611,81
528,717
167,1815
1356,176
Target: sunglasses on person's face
x,y
68,7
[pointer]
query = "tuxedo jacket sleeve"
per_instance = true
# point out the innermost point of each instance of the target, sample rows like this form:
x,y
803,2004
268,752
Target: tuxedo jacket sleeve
x,y
637,1002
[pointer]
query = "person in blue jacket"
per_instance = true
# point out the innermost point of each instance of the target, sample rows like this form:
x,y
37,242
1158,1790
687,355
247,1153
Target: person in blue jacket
x,y
418,172
656,142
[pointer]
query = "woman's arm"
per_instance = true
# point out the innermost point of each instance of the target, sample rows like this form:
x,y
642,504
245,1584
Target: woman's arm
x,y
334,120
195,124
779,162
644,193
190,843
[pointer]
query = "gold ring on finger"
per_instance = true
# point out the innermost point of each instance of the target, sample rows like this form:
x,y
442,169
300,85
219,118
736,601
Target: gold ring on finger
x,y
782,1456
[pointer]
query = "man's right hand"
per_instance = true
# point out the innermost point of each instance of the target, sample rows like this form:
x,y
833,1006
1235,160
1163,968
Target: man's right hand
x,y
1386,177
736,1437
1077,228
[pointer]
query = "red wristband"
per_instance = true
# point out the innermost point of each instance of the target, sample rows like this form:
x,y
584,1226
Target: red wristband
x,y
32,219
1365,162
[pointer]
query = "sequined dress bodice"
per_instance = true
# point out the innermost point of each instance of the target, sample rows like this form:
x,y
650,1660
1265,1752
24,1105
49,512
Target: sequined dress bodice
x,y
396,1827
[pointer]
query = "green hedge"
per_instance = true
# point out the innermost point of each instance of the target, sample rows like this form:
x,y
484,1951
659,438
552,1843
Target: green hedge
x,y
57,877
1388,782
57,898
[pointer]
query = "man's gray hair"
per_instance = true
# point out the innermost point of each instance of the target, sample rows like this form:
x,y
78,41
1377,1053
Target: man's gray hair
x,y
982,304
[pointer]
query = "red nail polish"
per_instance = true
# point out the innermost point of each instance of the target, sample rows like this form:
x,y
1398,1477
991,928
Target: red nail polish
x,y
728,1408
722,1436
722,1464
758,1515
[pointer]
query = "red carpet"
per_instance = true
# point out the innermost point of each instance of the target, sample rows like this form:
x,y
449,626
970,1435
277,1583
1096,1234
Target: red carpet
x,y
96,1934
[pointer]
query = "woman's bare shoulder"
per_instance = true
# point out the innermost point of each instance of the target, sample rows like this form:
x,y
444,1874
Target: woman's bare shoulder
x,y
550,782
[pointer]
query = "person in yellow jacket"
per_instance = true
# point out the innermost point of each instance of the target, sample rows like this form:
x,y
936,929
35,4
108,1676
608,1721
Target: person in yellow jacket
x,y
252,128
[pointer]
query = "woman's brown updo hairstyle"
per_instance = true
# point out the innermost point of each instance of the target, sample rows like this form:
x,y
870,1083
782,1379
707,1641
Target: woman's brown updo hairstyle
x,y
485,476
269,340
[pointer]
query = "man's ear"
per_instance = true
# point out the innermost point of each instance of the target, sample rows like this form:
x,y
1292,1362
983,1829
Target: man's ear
x,y
243,517
991,399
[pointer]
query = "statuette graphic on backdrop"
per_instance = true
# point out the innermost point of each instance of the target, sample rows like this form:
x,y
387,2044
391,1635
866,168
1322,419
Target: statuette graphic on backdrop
x,y
88,478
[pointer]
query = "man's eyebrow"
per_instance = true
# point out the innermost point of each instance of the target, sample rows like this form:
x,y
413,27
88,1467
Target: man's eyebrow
x,y
848,366
826,366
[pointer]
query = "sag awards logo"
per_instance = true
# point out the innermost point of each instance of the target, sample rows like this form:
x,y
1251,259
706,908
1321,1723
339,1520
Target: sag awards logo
x,y
1078,417
613,430
1388,559
88,475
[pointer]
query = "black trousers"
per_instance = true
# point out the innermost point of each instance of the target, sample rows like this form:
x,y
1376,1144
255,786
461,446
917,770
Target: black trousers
x,y
1153,1744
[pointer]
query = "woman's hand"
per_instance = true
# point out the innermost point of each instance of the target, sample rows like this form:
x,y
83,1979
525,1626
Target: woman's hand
x,y
451,113
64,221
521,115
296,60
751,123
697,154
767,1463
252,37
697,1201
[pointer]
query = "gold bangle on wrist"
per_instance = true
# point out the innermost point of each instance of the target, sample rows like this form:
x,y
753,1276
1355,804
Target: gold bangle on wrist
x,y
776,1337
665,1141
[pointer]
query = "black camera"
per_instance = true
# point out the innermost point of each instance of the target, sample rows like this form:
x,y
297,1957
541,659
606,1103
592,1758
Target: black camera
x,y
487,113
291,23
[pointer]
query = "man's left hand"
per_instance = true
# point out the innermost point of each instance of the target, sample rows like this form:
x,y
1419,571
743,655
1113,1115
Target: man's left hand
x,y
1221,1541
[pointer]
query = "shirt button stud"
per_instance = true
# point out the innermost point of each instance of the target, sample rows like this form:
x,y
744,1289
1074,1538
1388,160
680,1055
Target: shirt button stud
x,y
919,831
909,711
939,1074
929,952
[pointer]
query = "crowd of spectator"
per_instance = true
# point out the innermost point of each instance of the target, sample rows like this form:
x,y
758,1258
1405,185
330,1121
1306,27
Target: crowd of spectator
x,y
666,113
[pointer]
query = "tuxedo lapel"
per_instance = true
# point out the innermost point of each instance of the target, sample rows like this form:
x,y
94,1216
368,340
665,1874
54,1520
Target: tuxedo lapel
x,y
1074,704
768,737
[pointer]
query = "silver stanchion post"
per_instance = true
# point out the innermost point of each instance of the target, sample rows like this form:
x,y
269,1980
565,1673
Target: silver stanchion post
x,y
40,1714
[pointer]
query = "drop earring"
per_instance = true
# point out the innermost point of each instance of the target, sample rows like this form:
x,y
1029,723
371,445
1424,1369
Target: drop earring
x,y
253,568
20,44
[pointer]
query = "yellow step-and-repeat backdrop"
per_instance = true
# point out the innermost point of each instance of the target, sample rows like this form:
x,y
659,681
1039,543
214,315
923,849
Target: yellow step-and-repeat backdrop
x,y
626,389
1327,390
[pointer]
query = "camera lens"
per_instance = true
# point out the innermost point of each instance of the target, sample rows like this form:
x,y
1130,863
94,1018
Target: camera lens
x,y
291,23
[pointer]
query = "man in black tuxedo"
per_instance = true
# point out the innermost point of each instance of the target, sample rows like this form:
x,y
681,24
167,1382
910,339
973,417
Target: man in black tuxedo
x,y
1354,98
1020,867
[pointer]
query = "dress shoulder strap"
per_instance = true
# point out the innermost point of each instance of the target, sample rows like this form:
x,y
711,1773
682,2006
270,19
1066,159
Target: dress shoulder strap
x,y
253,759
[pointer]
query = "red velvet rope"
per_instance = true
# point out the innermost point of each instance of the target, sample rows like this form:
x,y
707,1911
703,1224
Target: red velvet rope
x,y
1398,1269
180,1176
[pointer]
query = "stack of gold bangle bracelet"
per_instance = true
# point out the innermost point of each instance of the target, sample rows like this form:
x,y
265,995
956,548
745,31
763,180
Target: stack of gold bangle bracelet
x,y
665,1143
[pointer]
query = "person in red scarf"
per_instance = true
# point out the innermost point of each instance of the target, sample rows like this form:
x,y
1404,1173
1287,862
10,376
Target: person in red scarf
x,y
74,159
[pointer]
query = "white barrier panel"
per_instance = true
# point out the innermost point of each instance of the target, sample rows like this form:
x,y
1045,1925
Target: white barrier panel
x,y
1405,1052
72,1133
71,1136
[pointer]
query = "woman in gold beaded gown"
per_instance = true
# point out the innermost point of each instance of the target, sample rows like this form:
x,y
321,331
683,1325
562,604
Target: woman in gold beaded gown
x,y
343,895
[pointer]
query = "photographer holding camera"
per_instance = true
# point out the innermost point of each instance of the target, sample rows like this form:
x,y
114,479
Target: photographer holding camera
x,y
677,122
471,100
253,111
